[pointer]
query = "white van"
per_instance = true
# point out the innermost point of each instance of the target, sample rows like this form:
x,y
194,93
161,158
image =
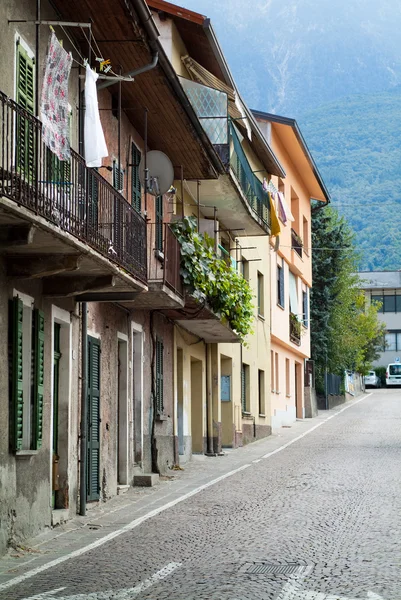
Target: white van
x,y
393,374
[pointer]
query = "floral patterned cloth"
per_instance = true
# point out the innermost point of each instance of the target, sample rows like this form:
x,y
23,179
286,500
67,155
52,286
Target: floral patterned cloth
x,y
54,102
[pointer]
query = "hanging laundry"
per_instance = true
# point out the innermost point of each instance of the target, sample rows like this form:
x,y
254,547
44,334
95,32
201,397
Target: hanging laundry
x,y
95,144
54,100
283,207
275,225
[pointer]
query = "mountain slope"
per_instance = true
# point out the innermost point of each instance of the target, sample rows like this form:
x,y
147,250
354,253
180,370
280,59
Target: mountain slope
x,y
356,143
292,55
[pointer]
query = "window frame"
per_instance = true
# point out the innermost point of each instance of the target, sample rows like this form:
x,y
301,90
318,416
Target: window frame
x,y
280,286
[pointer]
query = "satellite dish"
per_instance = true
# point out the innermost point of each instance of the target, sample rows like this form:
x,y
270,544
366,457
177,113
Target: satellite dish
x,y
160,172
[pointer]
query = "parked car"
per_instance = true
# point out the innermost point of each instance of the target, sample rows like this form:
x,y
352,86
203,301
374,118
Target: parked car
x,y
393,374
372,380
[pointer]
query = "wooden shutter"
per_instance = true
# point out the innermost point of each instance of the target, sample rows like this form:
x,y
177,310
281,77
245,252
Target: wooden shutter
x,y
16,374
135,183
25,133
159,376
93,447
159,223
305,307
38,376
281,286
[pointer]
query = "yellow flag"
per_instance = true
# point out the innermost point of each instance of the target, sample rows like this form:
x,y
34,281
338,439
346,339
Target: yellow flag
x,y
275,225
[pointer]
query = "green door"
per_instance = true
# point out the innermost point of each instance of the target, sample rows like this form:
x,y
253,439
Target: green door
x,y
93,448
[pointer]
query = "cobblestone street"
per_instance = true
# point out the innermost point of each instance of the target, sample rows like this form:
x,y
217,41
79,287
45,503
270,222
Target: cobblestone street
x,y
316,512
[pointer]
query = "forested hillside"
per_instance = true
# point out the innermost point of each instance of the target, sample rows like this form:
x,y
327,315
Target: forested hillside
x,y
356,143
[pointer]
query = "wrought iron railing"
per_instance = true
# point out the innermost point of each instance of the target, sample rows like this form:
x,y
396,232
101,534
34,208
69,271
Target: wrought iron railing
x,y
296,243
164,265
250,185
74,198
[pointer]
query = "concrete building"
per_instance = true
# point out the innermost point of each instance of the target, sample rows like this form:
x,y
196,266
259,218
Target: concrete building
x,y
291,380
385,287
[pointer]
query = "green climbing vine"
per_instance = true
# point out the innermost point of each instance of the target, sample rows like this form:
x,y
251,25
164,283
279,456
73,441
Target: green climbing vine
x,y
210,279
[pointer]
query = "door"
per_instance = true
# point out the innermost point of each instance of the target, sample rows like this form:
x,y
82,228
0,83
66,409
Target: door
x,y
93,435
56,391
180,401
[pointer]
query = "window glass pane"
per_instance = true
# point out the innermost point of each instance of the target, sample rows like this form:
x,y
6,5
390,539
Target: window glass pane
x,y
389,303
376,298
395,370
391,341
398,340
398,303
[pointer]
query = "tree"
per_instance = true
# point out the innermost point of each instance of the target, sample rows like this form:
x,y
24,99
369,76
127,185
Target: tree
x,y
345,334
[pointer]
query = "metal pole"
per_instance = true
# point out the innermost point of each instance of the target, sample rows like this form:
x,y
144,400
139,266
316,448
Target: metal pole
x,y
198,184
84,410
182,192
146,162
37,51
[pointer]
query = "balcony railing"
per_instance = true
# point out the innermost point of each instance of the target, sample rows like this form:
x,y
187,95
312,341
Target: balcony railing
x,y
295,330
296,243
68,194
250,185
165,259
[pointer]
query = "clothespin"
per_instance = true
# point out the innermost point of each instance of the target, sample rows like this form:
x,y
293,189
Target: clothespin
x,y
51,28
85,62
105,64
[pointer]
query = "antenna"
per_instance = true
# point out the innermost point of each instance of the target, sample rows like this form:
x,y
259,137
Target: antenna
x,y
159,172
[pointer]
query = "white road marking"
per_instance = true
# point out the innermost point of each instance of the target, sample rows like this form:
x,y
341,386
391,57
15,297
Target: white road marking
x,y
136,522
293,591
125,594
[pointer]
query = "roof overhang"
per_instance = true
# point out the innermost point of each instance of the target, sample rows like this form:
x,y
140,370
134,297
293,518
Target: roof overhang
x,y
291,136
201,42
126,34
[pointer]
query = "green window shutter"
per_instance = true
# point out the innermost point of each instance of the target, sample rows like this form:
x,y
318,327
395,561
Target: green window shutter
x,y
93,439
159,223
159,377
25,147
16,374
135,183
38,378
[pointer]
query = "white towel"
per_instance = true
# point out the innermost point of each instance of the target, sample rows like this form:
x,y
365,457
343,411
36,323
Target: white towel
x,y
95,144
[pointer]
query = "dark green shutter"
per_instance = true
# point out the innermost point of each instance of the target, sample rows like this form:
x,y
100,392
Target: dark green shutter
x,y
26,99
243,388
159,377
38,376
281,286
16,374
135,183
159,223
93,454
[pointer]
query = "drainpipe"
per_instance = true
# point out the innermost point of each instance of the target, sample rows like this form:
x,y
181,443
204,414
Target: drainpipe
x,y
84,409
209,407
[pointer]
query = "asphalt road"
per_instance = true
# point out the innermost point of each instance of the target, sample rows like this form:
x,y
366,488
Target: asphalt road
x,y
319,520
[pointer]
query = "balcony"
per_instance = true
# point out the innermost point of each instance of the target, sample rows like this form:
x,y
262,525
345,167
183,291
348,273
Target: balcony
x,y
66,201
165,288
242,204
295,330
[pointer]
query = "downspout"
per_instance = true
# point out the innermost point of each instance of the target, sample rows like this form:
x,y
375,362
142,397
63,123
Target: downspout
x,y
209,408
84,409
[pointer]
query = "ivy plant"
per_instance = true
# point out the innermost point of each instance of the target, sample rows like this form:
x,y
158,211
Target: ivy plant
x,y
211,280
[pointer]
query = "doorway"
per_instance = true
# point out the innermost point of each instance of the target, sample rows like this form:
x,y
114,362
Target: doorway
x,y
298,391
227,411
197,412
180,401
122,411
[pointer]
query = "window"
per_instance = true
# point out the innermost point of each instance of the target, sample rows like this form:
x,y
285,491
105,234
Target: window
x,y
280,286
245,268
261,301
159,377
136,192
277,373
118,177
25,97
287,378
305,320
159,223
261,392
26,374
245,388
294,308
306,236
272,370
389,302
393,341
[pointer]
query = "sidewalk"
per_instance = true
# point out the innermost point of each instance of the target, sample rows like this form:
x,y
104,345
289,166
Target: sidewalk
x,y
123,513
